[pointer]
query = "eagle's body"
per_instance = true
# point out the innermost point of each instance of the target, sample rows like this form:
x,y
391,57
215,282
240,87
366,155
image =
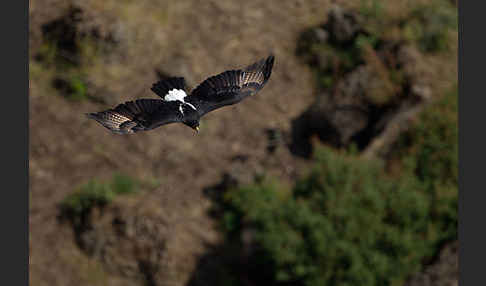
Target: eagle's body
x,y
176,105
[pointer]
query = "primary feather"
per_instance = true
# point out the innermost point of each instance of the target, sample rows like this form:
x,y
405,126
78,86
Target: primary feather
x,y
231,87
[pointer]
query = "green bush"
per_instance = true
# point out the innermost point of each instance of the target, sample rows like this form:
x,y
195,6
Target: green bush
x,y
433,142
430,150
77,88
96,194
429,24
350,223
345,224
68,53
371,9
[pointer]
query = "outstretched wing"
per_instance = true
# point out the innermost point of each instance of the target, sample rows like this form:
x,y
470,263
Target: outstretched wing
x,y
230,87
138,115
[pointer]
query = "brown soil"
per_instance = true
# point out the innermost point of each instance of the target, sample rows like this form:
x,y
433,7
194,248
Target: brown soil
x,y
193,39
178,38
443,272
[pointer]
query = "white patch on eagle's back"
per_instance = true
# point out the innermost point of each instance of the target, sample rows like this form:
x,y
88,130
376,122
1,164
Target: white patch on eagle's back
x,y
178,94
175,94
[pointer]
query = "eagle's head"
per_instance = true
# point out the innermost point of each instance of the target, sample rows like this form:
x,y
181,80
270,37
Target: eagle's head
x,y
194,124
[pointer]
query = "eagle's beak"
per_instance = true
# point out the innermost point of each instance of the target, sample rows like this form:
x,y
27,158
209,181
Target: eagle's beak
x,y
197,129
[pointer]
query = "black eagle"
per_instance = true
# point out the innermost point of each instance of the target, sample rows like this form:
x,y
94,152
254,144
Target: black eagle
x,y
226,88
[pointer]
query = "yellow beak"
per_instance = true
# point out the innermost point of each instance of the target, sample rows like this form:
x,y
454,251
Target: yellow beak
x,y
197,129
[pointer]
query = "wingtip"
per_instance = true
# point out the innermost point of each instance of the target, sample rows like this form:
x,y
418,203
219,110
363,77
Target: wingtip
x,y
270,60
269,66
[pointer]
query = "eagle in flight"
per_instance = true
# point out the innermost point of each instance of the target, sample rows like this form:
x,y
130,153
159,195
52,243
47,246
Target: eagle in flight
x,y
177,105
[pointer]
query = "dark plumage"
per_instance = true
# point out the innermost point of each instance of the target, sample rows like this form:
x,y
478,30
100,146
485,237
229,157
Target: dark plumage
x,y
227,88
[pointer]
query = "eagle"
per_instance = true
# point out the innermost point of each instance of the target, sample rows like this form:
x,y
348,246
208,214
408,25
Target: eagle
x,y
177,105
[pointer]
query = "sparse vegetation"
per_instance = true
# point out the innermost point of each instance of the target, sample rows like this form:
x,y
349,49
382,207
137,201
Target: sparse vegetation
x,y
78,87
66,45
68,52
371,28
73,87
93,194
370,61
429,25
334,58
347,222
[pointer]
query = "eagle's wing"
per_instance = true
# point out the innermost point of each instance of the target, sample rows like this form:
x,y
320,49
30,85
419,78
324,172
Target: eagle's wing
x,y
230,87
138,115
171,84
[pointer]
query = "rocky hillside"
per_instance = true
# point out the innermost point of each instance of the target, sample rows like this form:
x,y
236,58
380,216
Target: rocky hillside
x,y
136,210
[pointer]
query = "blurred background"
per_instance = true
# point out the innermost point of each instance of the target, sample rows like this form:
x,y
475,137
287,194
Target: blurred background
x,y
341,171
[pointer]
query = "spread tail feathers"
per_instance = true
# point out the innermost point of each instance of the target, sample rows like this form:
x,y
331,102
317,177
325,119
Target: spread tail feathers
x,y
115,122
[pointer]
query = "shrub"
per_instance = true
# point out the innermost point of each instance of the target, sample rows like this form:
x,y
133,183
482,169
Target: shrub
x,y
429,24
77,88
380,29
349,222
433,142
345,224
69,51
78,205
430,151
